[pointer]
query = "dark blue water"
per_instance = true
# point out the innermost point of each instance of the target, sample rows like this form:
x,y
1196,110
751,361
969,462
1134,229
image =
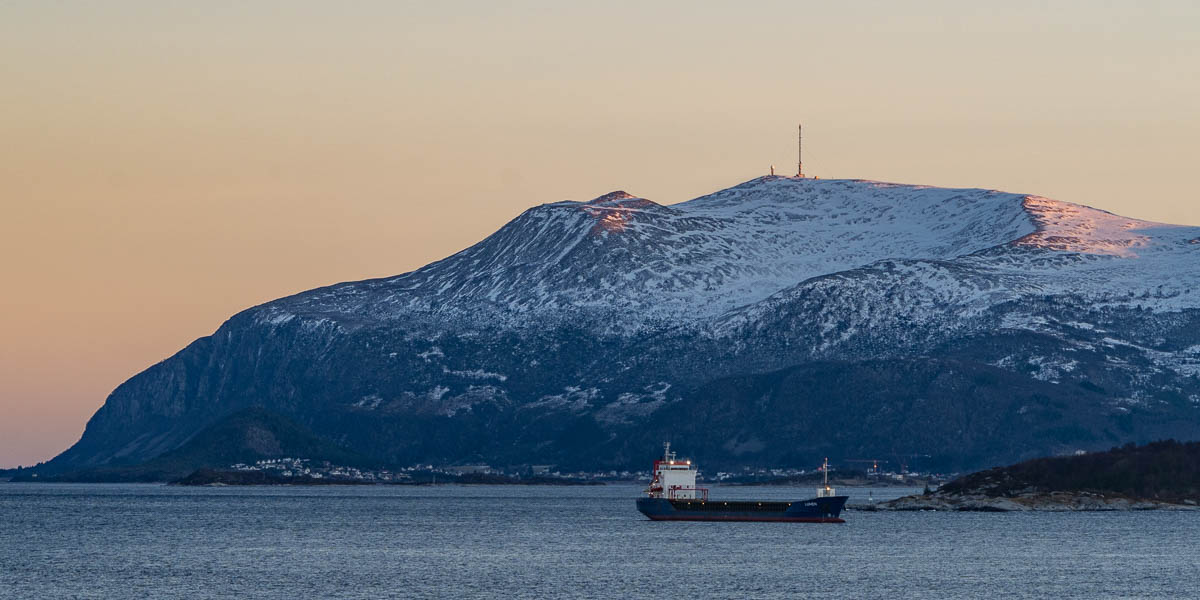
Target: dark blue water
x,y
143,541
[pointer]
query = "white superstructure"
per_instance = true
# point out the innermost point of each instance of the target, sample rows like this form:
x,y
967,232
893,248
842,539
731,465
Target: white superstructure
x,y
674,479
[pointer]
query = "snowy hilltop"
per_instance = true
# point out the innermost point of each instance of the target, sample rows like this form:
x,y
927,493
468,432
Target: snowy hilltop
x,y
765,323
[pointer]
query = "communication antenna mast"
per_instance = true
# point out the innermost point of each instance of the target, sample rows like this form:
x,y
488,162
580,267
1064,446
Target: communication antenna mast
x,y
800,151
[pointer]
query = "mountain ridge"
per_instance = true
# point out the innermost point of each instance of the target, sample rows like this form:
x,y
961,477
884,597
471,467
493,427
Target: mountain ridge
x,y
593,317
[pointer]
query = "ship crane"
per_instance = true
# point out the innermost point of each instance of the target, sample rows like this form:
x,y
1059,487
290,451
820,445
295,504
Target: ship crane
x,y
825,491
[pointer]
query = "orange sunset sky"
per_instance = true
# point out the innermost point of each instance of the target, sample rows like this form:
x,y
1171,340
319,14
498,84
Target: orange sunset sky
x,y
164,165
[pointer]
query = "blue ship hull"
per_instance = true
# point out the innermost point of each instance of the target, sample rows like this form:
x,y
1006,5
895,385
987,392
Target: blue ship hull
x,y
813,510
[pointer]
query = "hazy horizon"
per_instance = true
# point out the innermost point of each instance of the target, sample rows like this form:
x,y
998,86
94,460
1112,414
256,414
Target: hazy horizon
x,y
167,166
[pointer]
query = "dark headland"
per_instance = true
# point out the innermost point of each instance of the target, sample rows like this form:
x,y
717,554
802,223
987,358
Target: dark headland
x,y
255,435
245,436
1158,475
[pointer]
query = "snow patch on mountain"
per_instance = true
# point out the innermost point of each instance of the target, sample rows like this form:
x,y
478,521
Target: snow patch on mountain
x,y
475,374
635,263
1071,227
572,399
830,261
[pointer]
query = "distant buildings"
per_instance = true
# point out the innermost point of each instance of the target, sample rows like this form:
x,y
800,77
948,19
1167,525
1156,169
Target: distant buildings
x,y
303,468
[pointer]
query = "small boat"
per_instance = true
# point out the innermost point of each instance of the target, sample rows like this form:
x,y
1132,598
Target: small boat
x,y
673,496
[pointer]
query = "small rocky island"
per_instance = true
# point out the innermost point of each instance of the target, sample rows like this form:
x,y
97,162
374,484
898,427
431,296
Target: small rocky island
x,y
1157,476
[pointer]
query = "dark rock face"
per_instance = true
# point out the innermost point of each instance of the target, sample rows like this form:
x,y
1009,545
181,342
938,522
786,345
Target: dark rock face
x,y
773,323
1159,475
245,436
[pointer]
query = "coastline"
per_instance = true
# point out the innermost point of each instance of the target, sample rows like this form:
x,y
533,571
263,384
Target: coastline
x,y
1028,502
214,478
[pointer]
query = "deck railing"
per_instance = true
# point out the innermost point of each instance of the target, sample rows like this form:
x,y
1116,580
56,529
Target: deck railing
x,y
701,493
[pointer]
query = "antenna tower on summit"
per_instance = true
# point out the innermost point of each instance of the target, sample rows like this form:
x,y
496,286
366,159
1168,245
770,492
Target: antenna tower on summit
x,y
800,151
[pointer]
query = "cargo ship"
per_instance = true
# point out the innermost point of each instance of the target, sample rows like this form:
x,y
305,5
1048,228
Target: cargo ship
x,y
673,496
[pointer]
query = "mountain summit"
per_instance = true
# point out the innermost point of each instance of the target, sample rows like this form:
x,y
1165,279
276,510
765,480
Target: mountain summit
x,y
769,323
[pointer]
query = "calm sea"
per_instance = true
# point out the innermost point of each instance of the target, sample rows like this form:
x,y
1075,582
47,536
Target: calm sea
x,y
147,541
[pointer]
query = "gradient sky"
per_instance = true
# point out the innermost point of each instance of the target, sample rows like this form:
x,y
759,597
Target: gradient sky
x,y
164,165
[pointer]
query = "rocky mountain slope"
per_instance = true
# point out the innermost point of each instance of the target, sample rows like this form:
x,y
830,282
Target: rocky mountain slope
x,y
769,323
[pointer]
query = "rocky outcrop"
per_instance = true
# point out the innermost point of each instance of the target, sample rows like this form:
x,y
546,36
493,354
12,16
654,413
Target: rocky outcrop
x,y
1157,476
1033,501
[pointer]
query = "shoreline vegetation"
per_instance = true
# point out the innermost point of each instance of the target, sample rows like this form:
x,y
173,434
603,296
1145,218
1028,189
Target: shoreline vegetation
x,y
1157,476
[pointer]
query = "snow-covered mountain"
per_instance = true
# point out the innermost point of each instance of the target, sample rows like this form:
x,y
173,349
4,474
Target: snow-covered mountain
x,y
915,319
643,263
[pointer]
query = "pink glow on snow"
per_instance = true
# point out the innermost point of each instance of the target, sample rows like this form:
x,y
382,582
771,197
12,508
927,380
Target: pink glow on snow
x,y
1073,228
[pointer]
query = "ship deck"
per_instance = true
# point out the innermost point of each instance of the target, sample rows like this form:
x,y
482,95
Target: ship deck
x,y
738,506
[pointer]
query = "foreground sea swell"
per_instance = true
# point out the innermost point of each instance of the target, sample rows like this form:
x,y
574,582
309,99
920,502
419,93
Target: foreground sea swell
x,y
140,541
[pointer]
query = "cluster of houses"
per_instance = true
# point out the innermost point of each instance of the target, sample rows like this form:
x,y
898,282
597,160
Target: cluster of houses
x,y
875,474
305,468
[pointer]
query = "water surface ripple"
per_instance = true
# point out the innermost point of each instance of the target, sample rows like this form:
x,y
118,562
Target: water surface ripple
x,y
149,541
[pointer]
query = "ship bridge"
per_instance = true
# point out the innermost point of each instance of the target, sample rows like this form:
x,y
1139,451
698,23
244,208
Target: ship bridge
x,y
674,479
